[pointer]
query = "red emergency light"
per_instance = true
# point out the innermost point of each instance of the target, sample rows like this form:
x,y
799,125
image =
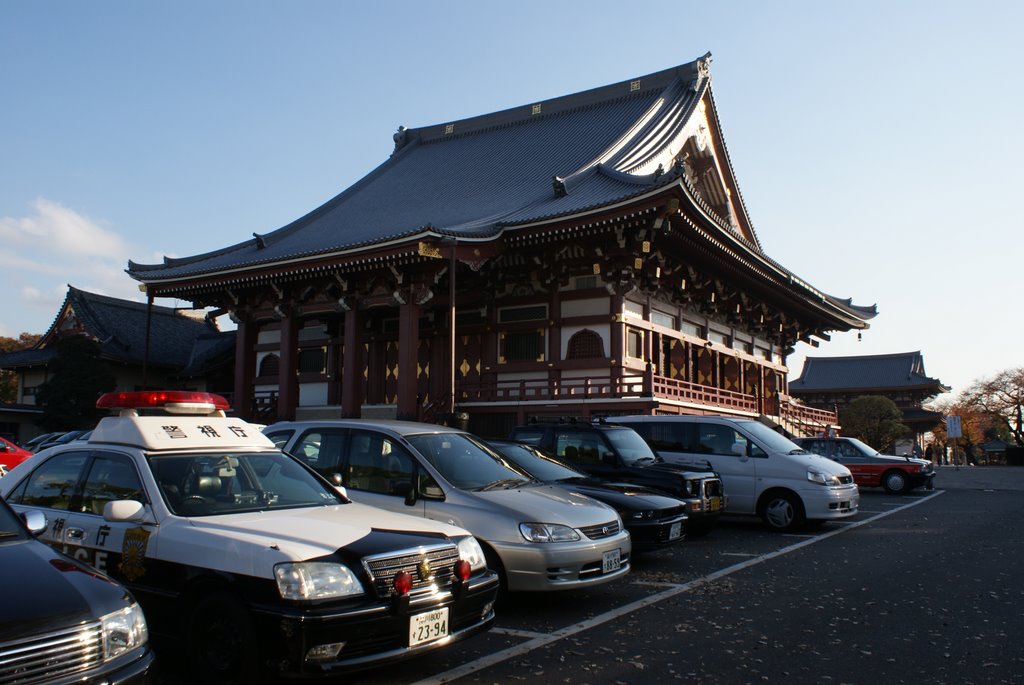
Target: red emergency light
x,y
174,401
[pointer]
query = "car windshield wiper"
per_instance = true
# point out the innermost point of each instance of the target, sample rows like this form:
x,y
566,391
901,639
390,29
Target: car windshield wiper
x,y
504,483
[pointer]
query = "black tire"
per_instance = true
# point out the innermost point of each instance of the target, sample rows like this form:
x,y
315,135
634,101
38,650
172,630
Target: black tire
x,y
895,482
782,511
494,563
221,643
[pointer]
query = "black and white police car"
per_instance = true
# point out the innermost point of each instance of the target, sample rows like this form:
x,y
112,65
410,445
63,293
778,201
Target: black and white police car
x,y
258,564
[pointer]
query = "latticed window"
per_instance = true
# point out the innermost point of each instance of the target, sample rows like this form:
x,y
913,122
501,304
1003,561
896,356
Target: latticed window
x,y
270,365
312,360
585,344
523,346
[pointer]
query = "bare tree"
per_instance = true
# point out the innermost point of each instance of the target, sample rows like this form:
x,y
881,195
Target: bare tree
x,y
1002,398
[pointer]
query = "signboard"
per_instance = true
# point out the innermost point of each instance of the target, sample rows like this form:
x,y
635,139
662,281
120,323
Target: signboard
x,y
953,427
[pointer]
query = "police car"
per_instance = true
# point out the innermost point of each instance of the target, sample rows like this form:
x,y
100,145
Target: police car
x,y
257,563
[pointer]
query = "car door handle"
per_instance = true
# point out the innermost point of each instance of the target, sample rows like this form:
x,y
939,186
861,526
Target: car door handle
x,y
74,534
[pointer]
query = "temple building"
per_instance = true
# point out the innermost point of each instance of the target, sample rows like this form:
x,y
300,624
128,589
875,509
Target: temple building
x,y
185,350
833,382
589,254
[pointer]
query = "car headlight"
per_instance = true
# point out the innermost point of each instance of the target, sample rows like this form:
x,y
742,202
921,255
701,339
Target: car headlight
x,y
123,631
822,479
316,580
548,532
471,551
642,515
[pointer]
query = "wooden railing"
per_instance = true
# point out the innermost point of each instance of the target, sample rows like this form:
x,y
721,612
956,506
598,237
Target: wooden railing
x,y
607,387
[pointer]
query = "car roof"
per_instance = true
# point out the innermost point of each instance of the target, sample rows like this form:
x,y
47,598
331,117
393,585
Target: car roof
x,y
395,426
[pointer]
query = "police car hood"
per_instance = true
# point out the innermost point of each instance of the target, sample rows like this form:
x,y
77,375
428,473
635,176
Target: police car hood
x,y
548,504
252,543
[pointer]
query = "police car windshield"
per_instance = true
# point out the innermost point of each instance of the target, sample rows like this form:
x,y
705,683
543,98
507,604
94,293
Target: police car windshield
x,y
215,484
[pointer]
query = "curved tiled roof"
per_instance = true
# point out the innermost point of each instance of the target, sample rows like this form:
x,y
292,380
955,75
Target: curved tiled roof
x,y
487,173
880,371
477,178
120,328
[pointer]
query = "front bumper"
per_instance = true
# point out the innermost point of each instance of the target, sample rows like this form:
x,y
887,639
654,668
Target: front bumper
x,y
648,536
823,502
916,480
532,567
372,635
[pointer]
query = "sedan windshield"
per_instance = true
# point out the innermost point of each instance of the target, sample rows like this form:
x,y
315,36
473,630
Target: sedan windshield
x,y
211,484
465,463
630,446
540,467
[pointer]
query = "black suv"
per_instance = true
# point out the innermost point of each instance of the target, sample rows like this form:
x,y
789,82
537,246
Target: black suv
x,y
618,453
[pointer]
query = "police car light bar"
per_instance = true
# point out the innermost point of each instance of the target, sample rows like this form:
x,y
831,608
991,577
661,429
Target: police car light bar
x,y
171,401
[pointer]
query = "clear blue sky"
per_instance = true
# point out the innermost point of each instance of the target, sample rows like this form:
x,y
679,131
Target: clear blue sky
x,y
878,145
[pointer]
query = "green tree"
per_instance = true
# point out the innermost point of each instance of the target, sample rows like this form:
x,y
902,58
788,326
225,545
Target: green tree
x,y
77,379
9,379
875,420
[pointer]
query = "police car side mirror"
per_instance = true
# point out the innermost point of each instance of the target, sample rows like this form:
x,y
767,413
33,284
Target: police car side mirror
x,y
35,521
124,510
739,449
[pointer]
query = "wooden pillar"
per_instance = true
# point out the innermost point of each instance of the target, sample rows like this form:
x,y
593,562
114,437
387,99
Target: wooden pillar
x,y
288,379
352,366
408,356
554,337
618,340
245,368
333,362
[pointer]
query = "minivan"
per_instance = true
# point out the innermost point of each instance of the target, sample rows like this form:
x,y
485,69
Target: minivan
x,y
765,473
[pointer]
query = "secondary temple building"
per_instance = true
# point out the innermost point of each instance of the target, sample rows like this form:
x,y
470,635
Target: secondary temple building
x,y
585,255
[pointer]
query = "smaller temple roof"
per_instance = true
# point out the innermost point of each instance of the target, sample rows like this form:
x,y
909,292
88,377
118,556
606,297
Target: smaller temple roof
x,y
119,326
901,370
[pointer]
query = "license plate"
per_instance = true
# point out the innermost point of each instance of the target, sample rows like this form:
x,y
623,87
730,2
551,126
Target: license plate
x,y
610,561
428,626
676,531
714,504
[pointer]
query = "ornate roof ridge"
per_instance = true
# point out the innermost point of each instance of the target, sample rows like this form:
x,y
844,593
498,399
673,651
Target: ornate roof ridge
x,y
634,87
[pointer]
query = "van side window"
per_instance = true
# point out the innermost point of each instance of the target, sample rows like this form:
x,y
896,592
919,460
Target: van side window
x,y
671,436
718,439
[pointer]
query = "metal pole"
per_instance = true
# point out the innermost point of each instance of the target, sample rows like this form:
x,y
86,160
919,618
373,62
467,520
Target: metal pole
x,y
145,351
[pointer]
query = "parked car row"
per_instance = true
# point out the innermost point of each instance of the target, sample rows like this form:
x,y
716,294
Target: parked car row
x,y
317,547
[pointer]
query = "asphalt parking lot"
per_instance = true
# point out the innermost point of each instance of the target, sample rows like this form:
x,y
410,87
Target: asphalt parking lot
x,y
925,587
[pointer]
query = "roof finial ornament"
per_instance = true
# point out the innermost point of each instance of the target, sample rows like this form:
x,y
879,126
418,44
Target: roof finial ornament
x,y
559,185
260,242
399,138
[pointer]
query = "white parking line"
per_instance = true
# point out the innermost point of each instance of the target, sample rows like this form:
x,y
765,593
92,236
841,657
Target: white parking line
x,y
544,639
525,634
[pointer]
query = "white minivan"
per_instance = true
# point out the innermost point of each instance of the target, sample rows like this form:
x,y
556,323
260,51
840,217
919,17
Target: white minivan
x,y
765,473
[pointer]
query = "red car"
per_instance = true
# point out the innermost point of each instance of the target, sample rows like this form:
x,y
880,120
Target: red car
x,y
870,468
11,455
